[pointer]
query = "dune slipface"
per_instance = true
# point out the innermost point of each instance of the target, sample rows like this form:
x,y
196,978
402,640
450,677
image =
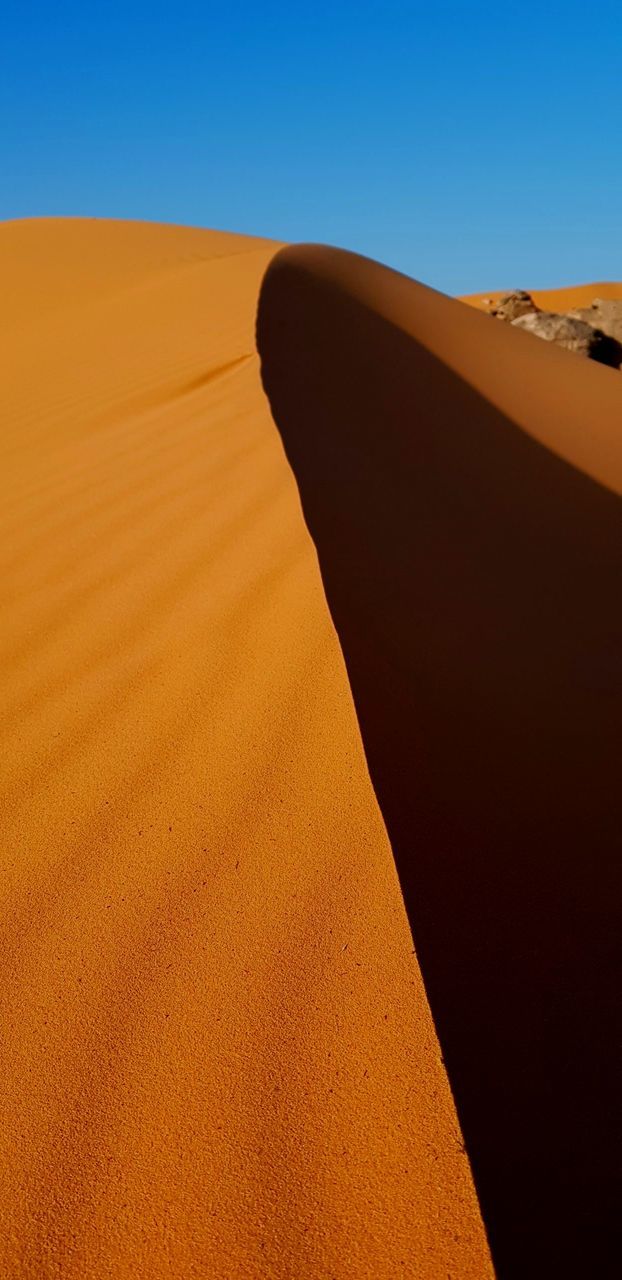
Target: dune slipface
x,y
460,482
217,1056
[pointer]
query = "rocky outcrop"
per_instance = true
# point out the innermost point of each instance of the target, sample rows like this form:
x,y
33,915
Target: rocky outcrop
x,y
603,314
595,332
512,305
573,333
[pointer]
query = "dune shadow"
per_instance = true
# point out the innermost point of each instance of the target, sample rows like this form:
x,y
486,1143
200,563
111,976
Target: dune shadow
x,y
474,582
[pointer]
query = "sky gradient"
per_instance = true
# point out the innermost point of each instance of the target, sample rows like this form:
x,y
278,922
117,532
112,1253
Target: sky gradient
x,y
473,146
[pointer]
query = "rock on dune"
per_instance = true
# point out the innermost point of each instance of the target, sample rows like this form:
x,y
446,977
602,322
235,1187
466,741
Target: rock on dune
x,y
514,304
595,331
605,314
573,333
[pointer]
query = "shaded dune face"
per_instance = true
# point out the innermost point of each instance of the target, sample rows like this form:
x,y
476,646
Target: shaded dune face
x,y
459,483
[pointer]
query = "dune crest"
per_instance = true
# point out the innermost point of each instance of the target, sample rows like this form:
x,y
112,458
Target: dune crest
x,y
460,482
218,1058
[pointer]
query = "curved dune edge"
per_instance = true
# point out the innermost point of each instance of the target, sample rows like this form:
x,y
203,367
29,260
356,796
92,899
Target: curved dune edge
x,y
459,481
218,1057
573,412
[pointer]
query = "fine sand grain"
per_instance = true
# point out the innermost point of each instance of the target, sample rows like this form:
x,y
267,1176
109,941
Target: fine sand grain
x,y
217,1056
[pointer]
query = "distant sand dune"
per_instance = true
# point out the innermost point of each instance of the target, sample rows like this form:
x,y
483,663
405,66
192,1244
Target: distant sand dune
x,y
217,1056
581,295
460,483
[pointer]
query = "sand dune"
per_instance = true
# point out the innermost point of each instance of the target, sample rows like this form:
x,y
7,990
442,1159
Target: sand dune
x,y
460,482
581,295
217,1056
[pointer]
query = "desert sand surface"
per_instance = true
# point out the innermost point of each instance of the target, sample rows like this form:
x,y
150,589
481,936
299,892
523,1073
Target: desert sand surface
x,y
217,1054
461,484
566,299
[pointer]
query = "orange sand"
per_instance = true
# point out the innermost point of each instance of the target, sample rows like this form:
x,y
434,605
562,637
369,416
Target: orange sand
x,y
218,1058
581,295
460,483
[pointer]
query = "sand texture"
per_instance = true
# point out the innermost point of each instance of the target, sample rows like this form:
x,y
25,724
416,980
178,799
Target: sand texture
x,y
217,1055
461,483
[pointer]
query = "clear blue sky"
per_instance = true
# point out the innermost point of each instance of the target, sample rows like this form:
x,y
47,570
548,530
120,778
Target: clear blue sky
x,y
472,145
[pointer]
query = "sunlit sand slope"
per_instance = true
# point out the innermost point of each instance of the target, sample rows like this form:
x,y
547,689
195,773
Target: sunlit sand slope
x,y
217,1058
460,482
579,295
